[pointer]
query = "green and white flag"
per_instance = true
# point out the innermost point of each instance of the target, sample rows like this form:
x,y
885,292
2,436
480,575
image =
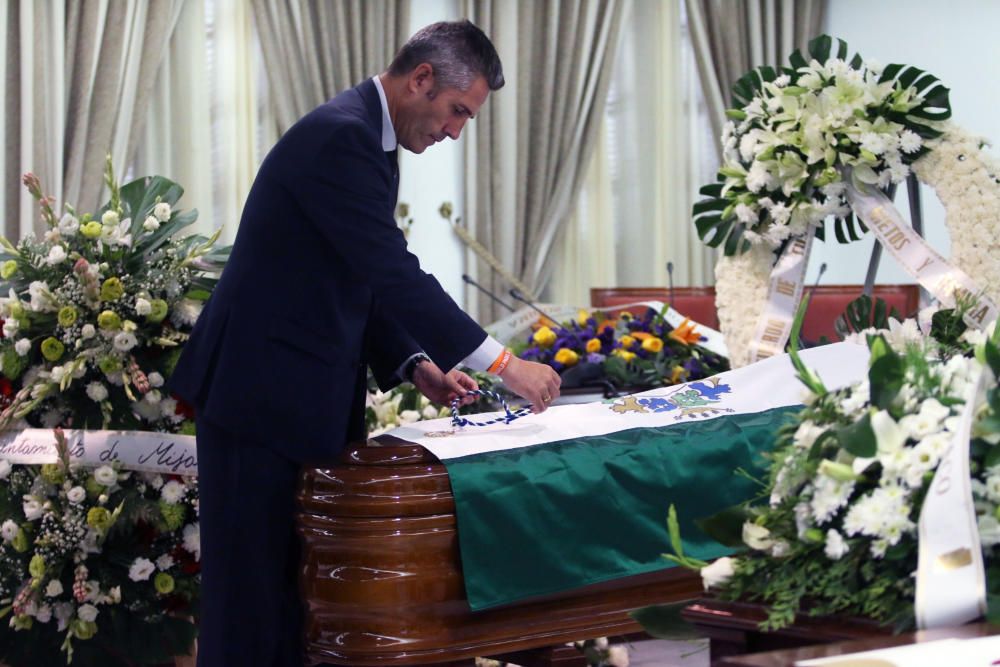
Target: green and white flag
x,y
579,494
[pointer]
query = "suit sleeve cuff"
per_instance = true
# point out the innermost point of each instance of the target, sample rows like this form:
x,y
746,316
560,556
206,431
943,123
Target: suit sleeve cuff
x,y
484,355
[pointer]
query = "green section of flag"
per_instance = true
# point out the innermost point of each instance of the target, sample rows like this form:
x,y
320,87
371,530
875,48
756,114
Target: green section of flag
x,y
554,517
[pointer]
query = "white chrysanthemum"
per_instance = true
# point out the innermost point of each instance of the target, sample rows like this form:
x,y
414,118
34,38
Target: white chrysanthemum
x,y
186,312
835,546
165,562
162,211
910,141
168,410
22,346
87,613
106,476
192,540
68,225
806,434
140,569
96,391
143,306
8,530
57,255
5,468
172,492
54,588
746,214
155,380
150,224
829,495
125,341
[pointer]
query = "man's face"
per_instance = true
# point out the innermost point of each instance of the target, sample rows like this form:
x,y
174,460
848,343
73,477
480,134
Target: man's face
x,y
436,113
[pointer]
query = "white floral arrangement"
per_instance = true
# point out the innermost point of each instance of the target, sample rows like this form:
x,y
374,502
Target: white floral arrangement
x,y
96,565
792,136
95,312
837,531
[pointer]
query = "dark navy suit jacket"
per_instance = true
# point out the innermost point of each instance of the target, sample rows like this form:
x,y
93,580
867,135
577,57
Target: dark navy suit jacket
x,y
319,284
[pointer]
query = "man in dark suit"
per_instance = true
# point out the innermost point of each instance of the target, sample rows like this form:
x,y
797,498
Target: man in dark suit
x,y
319,285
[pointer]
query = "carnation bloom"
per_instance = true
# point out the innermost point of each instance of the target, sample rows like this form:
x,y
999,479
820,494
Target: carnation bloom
x,y
140,569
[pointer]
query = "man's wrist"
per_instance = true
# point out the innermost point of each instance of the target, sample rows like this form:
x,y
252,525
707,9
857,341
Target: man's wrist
x,y
500,363
411,365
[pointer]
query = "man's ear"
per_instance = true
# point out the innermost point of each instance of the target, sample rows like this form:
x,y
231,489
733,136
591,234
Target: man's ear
x,y
422,78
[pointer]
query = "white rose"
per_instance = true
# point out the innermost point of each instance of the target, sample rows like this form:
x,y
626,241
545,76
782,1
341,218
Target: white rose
x,y
717,573
155,379
5,468
141,569
76,495
106,475
56,255
162,211
32,508
150,224
87,331
87,612
22,346
97,392
54,589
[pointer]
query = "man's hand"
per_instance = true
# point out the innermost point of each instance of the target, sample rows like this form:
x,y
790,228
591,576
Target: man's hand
x,y
442,388
537,383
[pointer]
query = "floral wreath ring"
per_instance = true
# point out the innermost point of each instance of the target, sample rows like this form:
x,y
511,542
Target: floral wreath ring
x,y
791,137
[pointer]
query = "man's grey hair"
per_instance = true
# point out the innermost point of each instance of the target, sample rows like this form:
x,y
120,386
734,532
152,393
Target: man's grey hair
x,y
458,51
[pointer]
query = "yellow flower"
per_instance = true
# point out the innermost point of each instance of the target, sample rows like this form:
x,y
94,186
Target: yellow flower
x,y
627,342
652,344
112,289
567,357
624,354
677,375
544,337
685,333
582,316
625,316
92,229
594,345
109,320
8,268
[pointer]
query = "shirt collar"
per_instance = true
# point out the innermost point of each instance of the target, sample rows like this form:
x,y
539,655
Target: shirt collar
x,y
388,133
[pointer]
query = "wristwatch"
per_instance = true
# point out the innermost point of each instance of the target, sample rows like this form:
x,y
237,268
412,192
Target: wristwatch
x,y
411,365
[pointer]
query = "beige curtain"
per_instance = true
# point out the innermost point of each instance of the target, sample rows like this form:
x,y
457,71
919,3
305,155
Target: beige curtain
x,y
530,147
78,81
313,49
731,37
633,213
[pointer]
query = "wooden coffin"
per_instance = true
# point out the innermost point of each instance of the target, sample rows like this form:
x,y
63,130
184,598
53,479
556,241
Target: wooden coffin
x,y
383,579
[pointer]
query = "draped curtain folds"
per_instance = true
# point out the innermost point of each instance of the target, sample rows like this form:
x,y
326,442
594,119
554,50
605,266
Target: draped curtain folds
x,y
530,147
731,38
313,49
78,80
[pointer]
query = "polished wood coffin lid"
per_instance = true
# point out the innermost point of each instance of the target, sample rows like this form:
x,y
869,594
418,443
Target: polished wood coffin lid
x,y
383,580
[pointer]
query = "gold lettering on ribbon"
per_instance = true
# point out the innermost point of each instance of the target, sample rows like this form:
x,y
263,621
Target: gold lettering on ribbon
x,y
925,264
980,315
953,560
773,331
786,287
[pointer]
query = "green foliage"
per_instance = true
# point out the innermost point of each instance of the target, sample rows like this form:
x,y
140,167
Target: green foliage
x,y
863,313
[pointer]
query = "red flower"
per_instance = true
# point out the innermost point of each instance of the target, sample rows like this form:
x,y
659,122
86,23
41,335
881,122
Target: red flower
x,y
183,409
6,388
